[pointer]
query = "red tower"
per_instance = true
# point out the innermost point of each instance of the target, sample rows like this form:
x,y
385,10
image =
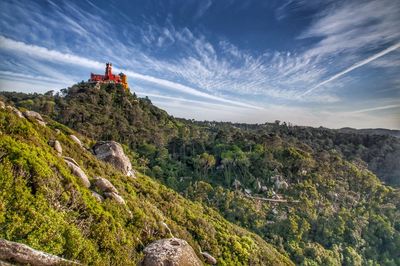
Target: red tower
x,y
108,74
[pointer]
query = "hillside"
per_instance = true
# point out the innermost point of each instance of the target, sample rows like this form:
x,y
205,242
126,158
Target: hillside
x,y
312,193
138,123
44,205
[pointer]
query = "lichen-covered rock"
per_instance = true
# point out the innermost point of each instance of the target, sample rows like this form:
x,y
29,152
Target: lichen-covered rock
x,y
104,185
22,254
208,258
112,152
77,171
76,140
97,196
170,251
15,111
32,115
57,146
114,196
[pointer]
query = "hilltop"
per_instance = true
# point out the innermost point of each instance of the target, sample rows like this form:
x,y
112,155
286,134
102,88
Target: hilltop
x,y
312,193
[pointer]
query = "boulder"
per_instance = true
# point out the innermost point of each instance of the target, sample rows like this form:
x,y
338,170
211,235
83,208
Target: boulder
x,y
32,115
104,185
76,140
17,253
236,184
208,258
77,171
281,184
15,111
2,105
170,251
114,196
112,152
57,146
97,196
71,160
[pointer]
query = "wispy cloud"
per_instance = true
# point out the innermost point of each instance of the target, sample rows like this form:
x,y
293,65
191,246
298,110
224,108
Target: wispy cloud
x,y
51,55
355,66
377,108
205,67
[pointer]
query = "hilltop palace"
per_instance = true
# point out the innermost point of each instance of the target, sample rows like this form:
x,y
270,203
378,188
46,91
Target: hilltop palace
x,y
109,77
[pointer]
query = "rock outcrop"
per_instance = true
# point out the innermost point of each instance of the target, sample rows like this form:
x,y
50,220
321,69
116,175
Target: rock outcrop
x,y
77,171
108,189
104,185
34,116
112,152
76,140
22,254
15,111
208,258
170,251
57,146
97,196
115,196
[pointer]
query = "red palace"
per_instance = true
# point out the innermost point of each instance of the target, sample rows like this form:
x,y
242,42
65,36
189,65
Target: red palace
x,y
109,77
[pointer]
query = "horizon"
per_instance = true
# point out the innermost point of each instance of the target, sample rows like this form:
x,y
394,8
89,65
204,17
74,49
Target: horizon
x,y
333,64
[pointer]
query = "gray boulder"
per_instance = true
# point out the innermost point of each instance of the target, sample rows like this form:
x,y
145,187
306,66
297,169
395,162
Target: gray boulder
x,y
76,140
32,115
57,146
77,171
104,185
112,152
97,196
208,258
15,111
170,251
22,254
114,196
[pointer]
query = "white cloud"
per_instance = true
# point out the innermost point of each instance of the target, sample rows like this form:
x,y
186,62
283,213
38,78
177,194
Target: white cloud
x,y
392,106
51,55
355,66
202,69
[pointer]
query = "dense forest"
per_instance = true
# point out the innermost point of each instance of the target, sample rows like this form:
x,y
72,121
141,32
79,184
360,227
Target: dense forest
x,y
312,193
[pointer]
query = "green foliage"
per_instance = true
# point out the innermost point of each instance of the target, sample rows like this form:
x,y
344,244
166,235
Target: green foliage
x,y
43,205
345,215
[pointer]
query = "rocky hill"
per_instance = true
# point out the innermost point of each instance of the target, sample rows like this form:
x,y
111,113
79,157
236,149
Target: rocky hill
x,y
59,196
312,193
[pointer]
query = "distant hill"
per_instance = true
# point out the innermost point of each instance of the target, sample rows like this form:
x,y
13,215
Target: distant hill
x,y
372,131
312,193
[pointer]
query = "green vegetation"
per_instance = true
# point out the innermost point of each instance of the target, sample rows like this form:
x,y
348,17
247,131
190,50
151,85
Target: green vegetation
x,y
345,215
43,205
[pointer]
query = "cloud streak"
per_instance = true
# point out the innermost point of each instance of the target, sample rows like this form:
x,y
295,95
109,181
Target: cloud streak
x,y
392,106
355,66
52,55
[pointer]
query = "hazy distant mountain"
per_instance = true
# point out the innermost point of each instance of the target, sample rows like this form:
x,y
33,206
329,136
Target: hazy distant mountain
x,y
372,131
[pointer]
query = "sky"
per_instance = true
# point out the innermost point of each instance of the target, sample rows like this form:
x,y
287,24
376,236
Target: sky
x,y
328,63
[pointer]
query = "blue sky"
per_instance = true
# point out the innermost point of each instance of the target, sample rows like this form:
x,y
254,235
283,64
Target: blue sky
x,y
308,62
